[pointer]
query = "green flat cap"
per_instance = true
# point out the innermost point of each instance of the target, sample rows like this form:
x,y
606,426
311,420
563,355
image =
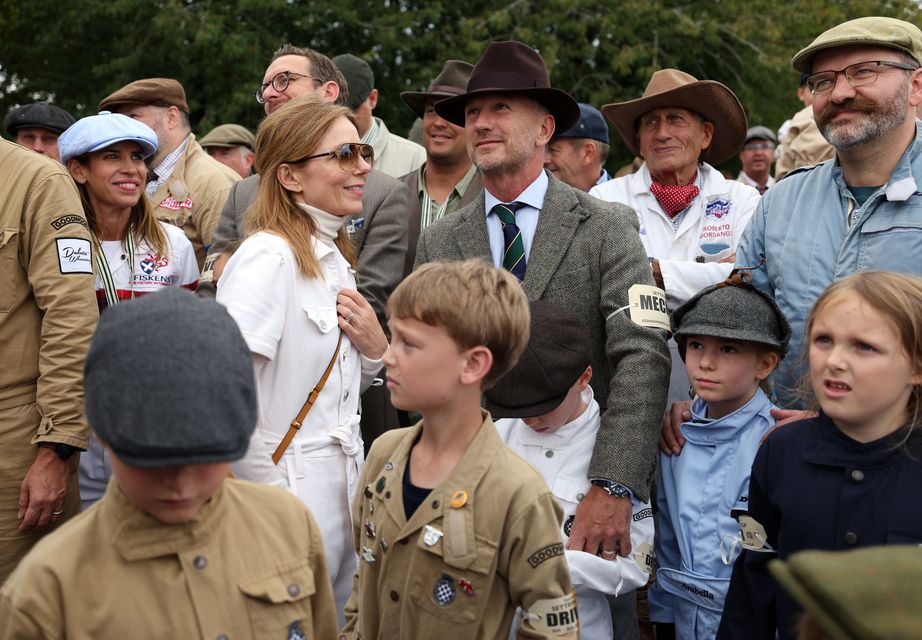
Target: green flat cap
x,y
229,135
873,31
868,593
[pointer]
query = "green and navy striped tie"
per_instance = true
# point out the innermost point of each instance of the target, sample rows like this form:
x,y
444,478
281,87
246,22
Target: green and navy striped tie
x,y
513,247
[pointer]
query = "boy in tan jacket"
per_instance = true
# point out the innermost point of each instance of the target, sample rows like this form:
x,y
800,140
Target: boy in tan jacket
x,y
453,530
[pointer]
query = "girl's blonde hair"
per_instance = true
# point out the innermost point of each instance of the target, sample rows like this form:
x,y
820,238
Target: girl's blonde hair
x,y
896,296
292,132
143,219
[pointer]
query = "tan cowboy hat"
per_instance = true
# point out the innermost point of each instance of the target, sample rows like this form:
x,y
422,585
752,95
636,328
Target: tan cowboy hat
x,y
512,68
676,89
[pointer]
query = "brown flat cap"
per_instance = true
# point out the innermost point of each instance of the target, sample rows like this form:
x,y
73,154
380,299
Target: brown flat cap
x,y
160,92
229,135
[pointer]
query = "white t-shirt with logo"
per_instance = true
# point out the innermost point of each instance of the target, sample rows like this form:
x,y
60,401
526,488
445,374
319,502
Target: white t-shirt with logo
x,y
149,271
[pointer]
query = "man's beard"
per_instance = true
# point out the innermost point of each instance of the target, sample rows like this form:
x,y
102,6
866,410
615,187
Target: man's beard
x,y
877,120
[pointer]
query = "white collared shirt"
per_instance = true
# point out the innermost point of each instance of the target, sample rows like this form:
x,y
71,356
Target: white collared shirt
x,y
526,218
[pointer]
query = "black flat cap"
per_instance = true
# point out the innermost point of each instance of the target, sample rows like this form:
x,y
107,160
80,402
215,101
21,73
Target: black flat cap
x,y
38,114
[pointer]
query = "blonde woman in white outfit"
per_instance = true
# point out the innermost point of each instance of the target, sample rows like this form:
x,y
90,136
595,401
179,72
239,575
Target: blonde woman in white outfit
x,y
291,288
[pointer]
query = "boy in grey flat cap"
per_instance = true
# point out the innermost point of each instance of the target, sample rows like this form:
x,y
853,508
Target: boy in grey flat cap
x,y
174,548
731,336
551,419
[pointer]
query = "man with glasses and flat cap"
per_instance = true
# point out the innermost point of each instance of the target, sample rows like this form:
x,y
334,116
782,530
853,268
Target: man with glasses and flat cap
x,y
860,210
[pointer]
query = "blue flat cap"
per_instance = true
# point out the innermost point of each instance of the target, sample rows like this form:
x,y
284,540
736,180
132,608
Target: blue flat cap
x,y
591,125
98,132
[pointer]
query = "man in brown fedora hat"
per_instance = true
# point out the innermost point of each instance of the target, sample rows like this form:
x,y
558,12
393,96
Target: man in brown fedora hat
x,y
691,217
568,248
448,180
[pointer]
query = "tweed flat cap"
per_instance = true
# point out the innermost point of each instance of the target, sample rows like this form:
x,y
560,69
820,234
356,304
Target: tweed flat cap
x,y
557,353
38,114
874,592
732,312
359,77
160,92
169,381
229,135
872,31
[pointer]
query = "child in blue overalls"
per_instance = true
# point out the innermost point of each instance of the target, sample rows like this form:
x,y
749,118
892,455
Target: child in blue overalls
x,y
731,337
852,476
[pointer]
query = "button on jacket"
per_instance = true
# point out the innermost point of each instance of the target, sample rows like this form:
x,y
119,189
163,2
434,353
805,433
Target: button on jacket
x,y
813,487
698,490
250,565
484,541
811,232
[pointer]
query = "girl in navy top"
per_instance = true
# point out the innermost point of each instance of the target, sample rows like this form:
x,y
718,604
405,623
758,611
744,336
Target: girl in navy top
x,y
851,476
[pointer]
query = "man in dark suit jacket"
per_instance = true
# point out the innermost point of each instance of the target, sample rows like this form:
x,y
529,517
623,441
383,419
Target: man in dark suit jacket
x,y
379,234
579,252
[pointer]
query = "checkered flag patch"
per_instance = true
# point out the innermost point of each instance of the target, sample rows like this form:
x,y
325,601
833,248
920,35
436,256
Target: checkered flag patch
x,y
444,591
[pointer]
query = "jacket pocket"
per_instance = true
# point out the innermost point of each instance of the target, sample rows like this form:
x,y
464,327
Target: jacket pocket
x,y
445,593
891,235
278,602
322,317
9,256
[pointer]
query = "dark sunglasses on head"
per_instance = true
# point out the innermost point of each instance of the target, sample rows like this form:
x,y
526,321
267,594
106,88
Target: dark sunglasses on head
x,y
346,154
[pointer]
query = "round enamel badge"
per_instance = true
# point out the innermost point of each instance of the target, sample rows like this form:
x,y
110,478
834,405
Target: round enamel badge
x,y
444,591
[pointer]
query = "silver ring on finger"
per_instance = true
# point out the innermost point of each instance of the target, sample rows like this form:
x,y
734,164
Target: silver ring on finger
x,y
609,553
58,513
350,317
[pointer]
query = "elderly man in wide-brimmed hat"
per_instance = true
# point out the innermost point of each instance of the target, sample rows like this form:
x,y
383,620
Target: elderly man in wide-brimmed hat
x,y
691,217
448,180
570,249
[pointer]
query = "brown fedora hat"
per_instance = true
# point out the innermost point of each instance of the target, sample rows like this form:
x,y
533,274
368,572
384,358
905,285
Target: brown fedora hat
x,y
513,68
676,89
451,81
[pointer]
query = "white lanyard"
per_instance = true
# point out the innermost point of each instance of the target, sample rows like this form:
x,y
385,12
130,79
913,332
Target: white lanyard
x,y
102,265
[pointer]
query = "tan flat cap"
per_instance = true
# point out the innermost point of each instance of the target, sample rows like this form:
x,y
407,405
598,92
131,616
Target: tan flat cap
x,y
229,135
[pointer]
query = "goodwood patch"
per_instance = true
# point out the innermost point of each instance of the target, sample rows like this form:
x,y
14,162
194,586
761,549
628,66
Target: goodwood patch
x,y
71,218
548,552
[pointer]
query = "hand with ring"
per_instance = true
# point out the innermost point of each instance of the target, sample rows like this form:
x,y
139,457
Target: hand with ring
x,y
609,554
358,321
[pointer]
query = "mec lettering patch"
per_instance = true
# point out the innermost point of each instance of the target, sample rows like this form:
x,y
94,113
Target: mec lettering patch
x,y
548,552
557,616
74,255
648,306
71,218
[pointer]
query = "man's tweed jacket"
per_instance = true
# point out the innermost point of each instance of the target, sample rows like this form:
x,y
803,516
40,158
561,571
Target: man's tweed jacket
x,y
585,256
379,234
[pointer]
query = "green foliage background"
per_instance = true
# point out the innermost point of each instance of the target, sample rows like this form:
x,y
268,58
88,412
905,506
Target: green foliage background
x,y
77,52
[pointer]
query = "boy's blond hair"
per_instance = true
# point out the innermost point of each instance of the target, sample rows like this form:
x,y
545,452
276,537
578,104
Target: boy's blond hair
x,y
477,304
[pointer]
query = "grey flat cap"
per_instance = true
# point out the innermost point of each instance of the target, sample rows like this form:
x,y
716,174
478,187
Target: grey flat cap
x,y
38,114
169,381
733,312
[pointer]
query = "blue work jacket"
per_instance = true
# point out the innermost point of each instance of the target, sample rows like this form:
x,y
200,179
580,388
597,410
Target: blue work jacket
x,y
699,495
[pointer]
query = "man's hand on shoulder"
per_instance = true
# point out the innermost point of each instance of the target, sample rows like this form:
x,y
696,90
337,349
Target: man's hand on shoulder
x,y
602,522
43,490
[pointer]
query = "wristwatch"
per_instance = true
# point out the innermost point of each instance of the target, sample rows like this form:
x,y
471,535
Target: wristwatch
x,y
63,451
613,489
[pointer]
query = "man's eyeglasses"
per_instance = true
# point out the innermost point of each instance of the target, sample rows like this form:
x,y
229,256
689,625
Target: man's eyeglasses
x,y
347,155
280,82
857,75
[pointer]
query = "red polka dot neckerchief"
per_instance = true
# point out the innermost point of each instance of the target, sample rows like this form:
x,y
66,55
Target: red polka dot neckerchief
x,y
675,198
